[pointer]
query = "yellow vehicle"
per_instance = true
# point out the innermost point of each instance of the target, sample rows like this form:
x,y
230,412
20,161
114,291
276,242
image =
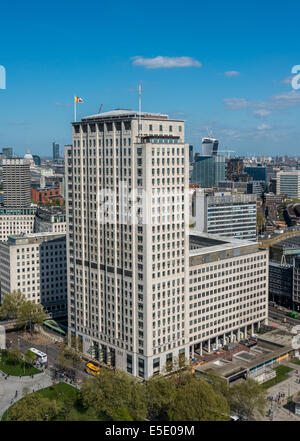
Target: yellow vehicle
x,y
90,368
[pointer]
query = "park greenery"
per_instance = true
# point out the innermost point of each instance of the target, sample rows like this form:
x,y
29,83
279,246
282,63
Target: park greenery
x,y
115,396
281,375
59,402
12,362
15,306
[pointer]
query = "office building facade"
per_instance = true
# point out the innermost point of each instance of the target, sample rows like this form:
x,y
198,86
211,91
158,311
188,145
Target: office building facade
x,y
55,151
35,264
16,183
127,280
226,214
228,286
129,295
288,182
208,171
16,221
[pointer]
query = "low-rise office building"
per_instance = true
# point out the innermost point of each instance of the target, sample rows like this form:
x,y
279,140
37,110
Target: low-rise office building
x,y
226,214
16,221
228,290
35,264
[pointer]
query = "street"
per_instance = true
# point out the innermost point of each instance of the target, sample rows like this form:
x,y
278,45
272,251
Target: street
x,y
24,341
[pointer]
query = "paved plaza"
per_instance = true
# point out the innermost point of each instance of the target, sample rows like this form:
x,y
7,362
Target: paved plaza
x,y
289,387
11,385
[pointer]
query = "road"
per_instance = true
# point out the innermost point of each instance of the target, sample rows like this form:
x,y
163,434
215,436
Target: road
x,y
25,341
280,315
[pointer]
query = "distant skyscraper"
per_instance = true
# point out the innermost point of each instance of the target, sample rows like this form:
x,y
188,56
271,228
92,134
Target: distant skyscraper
x,y
16,183
55,150
210,146
258,173
7,152
208,171
191,152
37,160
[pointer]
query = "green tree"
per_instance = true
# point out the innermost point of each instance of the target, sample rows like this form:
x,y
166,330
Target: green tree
x,y
11,303
247,398
196,400
114,390
13,355
33,408
68,359
160,393
260,221
29,357
30,314
122,414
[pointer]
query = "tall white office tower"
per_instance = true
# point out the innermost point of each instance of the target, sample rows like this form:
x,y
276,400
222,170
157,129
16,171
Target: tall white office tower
x,y
16,180
210,146
127,239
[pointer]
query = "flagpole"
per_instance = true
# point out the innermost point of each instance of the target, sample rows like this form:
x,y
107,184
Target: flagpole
x,y
74,109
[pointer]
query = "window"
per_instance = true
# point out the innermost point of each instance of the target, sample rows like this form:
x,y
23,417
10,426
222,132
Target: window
x,y
141,368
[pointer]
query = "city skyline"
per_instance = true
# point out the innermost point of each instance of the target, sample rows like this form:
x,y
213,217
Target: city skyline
x,y
235,84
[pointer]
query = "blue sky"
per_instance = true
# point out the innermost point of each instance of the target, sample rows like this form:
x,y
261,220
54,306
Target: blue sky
x,y
234,82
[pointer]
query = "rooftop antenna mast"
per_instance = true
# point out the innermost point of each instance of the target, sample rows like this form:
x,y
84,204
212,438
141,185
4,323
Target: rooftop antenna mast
x,y
140,109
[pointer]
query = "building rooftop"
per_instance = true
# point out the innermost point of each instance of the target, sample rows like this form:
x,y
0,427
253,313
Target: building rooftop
x,y
124,113
32,237
202,243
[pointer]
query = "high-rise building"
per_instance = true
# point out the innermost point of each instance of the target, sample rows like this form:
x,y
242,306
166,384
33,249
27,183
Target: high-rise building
x,y
55,150
37,160
7,152
258,173
128,291
226,214
208,171
16,183
288,182
191,153
210,146
131,264
35,264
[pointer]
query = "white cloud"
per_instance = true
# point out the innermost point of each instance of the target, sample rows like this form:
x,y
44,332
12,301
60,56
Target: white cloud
x,y
289,99
275,102
165,62
260,113
231,73
237,103
264,127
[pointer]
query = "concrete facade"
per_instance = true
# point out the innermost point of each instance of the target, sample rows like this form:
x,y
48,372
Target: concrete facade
x,y
35,264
